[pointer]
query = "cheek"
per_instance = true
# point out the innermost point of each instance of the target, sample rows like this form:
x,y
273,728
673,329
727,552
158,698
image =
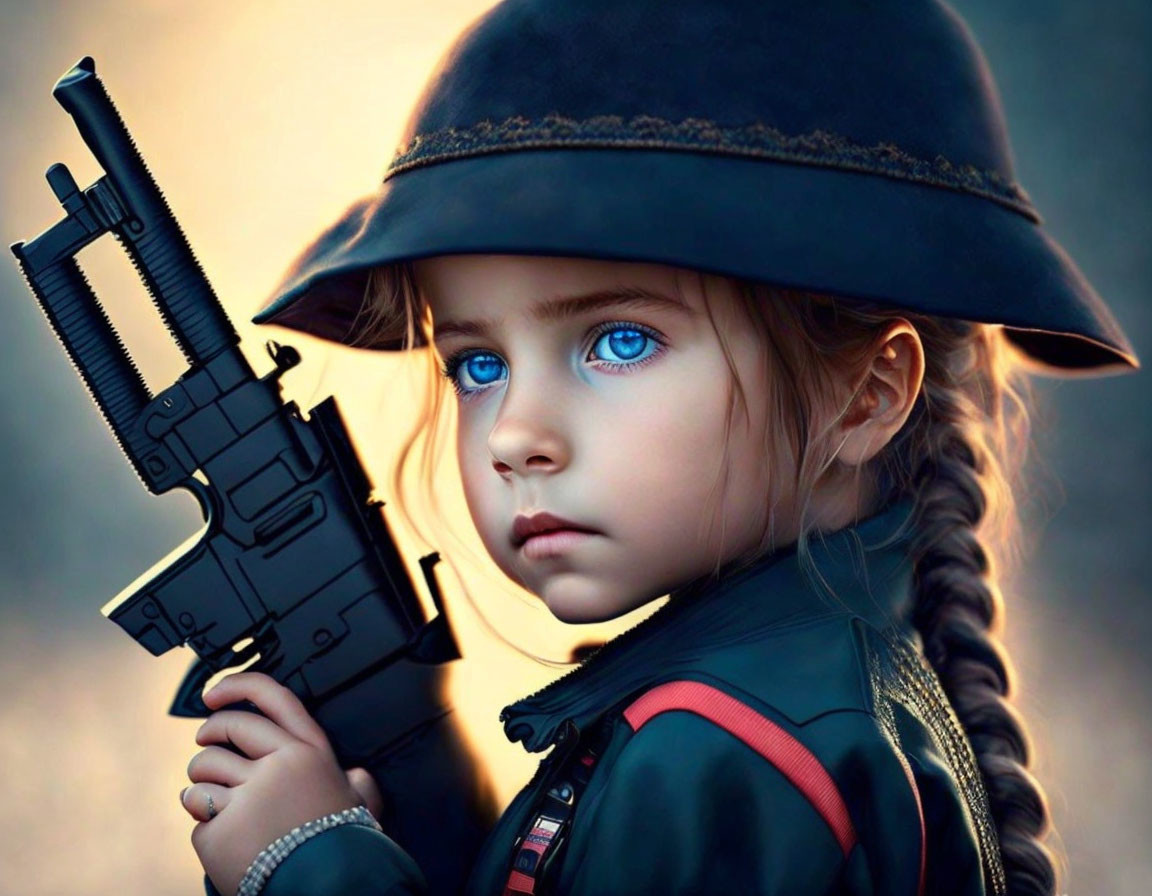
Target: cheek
x,y
671,465
666,456
477,475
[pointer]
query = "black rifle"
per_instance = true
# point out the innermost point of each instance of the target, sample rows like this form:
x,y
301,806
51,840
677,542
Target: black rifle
x,y
296,564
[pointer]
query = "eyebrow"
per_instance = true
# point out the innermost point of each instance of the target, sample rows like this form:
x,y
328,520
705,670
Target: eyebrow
x,y
569,306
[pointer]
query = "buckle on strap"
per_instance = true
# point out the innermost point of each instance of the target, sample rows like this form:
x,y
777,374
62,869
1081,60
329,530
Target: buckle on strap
x,y
548,827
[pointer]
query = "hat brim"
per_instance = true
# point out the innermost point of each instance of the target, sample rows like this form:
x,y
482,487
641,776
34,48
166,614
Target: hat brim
x,y
850,234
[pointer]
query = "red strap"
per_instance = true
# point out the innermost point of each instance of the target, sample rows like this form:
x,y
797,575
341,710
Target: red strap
x,y
519,882
763,735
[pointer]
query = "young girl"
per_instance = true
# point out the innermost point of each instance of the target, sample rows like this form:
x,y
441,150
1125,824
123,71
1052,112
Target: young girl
x,y
734,298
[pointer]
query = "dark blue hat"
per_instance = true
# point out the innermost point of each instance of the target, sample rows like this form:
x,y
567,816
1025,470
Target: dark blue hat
x,y
840,146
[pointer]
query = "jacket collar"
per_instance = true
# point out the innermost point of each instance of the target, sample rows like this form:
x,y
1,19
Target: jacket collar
x,y
866,567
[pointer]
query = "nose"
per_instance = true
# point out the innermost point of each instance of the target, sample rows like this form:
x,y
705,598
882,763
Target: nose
x,y
525,439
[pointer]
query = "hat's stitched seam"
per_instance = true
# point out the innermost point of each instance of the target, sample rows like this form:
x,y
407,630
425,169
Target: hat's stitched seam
x,y
696,134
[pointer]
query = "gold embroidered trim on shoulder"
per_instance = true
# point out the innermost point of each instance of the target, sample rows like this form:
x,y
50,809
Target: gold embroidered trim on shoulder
x,y
908,679
756,140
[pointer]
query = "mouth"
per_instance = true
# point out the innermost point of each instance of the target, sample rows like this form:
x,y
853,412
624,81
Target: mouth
x,y
527,527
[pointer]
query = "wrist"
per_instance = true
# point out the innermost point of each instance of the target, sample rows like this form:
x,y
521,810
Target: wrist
x,y
278,850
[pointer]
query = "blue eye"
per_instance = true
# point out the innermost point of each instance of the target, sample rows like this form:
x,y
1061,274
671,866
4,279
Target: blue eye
x,y
623,345
471,372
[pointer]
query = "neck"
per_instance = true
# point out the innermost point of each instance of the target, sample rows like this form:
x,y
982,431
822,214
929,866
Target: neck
x,y
835,508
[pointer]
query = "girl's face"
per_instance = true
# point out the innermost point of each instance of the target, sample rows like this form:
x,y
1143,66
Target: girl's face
x,y
588,392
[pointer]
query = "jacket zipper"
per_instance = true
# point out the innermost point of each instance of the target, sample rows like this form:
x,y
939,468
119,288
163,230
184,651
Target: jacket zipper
x,y
606,649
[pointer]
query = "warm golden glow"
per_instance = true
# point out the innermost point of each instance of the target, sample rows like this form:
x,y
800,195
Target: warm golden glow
x,y
262,122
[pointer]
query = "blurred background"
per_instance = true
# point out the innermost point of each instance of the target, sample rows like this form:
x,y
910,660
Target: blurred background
x,y
261,122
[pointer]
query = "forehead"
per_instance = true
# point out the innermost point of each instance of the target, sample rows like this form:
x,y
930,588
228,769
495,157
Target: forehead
x,y
474,286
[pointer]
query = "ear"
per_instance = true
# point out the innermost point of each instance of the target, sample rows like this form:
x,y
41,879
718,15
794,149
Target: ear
x,y
891,384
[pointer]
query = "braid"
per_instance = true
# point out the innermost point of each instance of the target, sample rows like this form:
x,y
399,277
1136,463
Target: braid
x,y
957,457
958,608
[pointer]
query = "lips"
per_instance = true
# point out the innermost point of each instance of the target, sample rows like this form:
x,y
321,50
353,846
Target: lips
x,y
524,527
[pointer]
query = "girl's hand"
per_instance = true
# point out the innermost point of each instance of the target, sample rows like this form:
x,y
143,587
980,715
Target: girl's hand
x,y
287,776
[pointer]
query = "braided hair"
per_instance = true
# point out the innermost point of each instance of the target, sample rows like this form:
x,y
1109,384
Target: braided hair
x,y
958,608
957,456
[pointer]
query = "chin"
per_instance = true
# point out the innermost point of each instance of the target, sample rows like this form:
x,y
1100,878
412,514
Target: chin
x,y
580,602
578,615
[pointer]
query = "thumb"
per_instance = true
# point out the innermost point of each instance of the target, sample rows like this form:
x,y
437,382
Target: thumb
x,y
365,787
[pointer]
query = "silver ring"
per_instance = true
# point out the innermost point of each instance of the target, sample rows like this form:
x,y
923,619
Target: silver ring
x,y
212,813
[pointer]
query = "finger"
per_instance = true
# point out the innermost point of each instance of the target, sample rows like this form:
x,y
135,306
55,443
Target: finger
x,y
217,765
205,801
365,786
255,735
273,699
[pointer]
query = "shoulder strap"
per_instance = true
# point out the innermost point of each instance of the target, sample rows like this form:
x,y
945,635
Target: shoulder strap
x,y
795,761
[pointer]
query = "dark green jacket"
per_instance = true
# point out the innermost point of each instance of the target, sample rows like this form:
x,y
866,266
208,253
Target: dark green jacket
x,y
815,752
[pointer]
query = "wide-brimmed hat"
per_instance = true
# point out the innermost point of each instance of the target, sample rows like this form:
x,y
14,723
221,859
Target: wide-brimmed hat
x,y
837,146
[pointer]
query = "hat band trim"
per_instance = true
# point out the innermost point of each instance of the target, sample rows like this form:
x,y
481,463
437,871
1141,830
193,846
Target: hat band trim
x,y
757,140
